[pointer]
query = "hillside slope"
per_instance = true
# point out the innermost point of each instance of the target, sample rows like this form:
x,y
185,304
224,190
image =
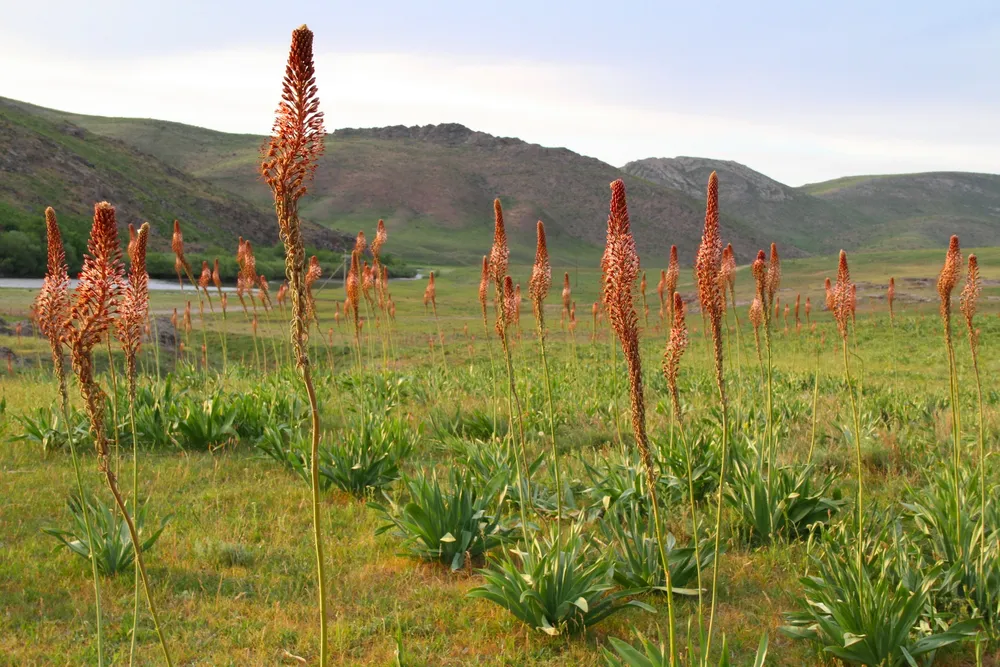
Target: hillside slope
x,y
786,213
434,186
921,210
47,161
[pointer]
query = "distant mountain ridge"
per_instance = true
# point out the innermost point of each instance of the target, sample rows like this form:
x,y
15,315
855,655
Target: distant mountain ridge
x,y
434,186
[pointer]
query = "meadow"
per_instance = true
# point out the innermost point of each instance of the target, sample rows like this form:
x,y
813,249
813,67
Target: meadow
x,y
232,570
571,462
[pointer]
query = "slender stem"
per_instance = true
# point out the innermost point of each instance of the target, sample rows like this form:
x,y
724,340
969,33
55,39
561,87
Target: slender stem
x,y
677,419
64,396
135,501
552,420
812,440
317,532
982,459
113,485
857,450
718,521
493,371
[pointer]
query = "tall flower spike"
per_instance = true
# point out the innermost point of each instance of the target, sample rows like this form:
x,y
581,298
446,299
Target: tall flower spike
x,y
499,253
430,293
206,275
131,241
842,296
729,266
890,296
676,345
180,261
673,272
135,302
507,306
758,269
773,274
567,293
830,300
380,238
484,282
756,313
970,294
99,284
360,244
948,279
661,286
708,266
353,287
541,272
53,300
809,308
287,166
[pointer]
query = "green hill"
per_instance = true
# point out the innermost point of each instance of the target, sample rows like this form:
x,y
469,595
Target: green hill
x,y
908,211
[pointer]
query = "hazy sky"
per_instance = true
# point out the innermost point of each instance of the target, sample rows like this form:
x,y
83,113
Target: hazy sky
x,y
801,90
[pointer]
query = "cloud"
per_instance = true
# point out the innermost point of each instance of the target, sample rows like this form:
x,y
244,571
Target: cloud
x,y
586,108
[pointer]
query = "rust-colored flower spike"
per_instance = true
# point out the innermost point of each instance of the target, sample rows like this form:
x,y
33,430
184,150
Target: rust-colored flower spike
x,y
890,296
642,284
676,344
541,273
100,283
499,253
52,305
288,164
353,288
177,245
809,308
380,238
174,321
187,318
360,244
970,294
484,282
830,301
53,300
758,269
798,303
673,273
567,293
263,291
661,286
947,281
367,281
729,266
756,313
773,274
314,273
206,275
842,296
135,302
131,241
708,265
430,293
508,304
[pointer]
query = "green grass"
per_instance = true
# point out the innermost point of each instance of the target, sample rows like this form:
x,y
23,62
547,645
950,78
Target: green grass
x,y
233,574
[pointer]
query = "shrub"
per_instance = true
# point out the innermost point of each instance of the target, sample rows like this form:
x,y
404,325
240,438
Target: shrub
x,y
449,524
112,546
555,587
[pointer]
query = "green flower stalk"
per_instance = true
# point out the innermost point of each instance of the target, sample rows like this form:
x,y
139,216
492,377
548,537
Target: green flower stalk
x,y
288,164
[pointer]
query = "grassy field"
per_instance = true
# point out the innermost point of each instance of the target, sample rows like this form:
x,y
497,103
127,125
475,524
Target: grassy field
x,y
234,570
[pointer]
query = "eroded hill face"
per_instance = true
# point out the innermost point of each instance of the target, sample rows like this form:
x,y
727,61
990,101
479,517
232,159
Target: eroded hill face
x,y
49,162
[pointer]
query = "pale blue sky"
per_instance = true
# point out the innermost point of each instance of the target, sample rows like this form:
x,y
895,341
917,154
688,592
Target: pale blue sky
x,y
803,91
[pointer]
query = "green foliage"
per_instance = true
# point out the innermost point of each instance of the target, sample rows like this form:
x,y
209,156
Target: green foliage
x,y
783,505
449,524
48,429
207,425
879,615
631,538
554,587
658,655
112,546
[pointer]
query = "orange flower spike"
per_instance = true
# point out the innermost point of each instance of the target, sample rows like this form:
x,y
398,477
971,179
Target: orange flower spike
x,y
830,300
842,296
948,279
484,282
135,303
499,253
677,343
360,244
773,280
970,294
53,299
541,272
206,275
